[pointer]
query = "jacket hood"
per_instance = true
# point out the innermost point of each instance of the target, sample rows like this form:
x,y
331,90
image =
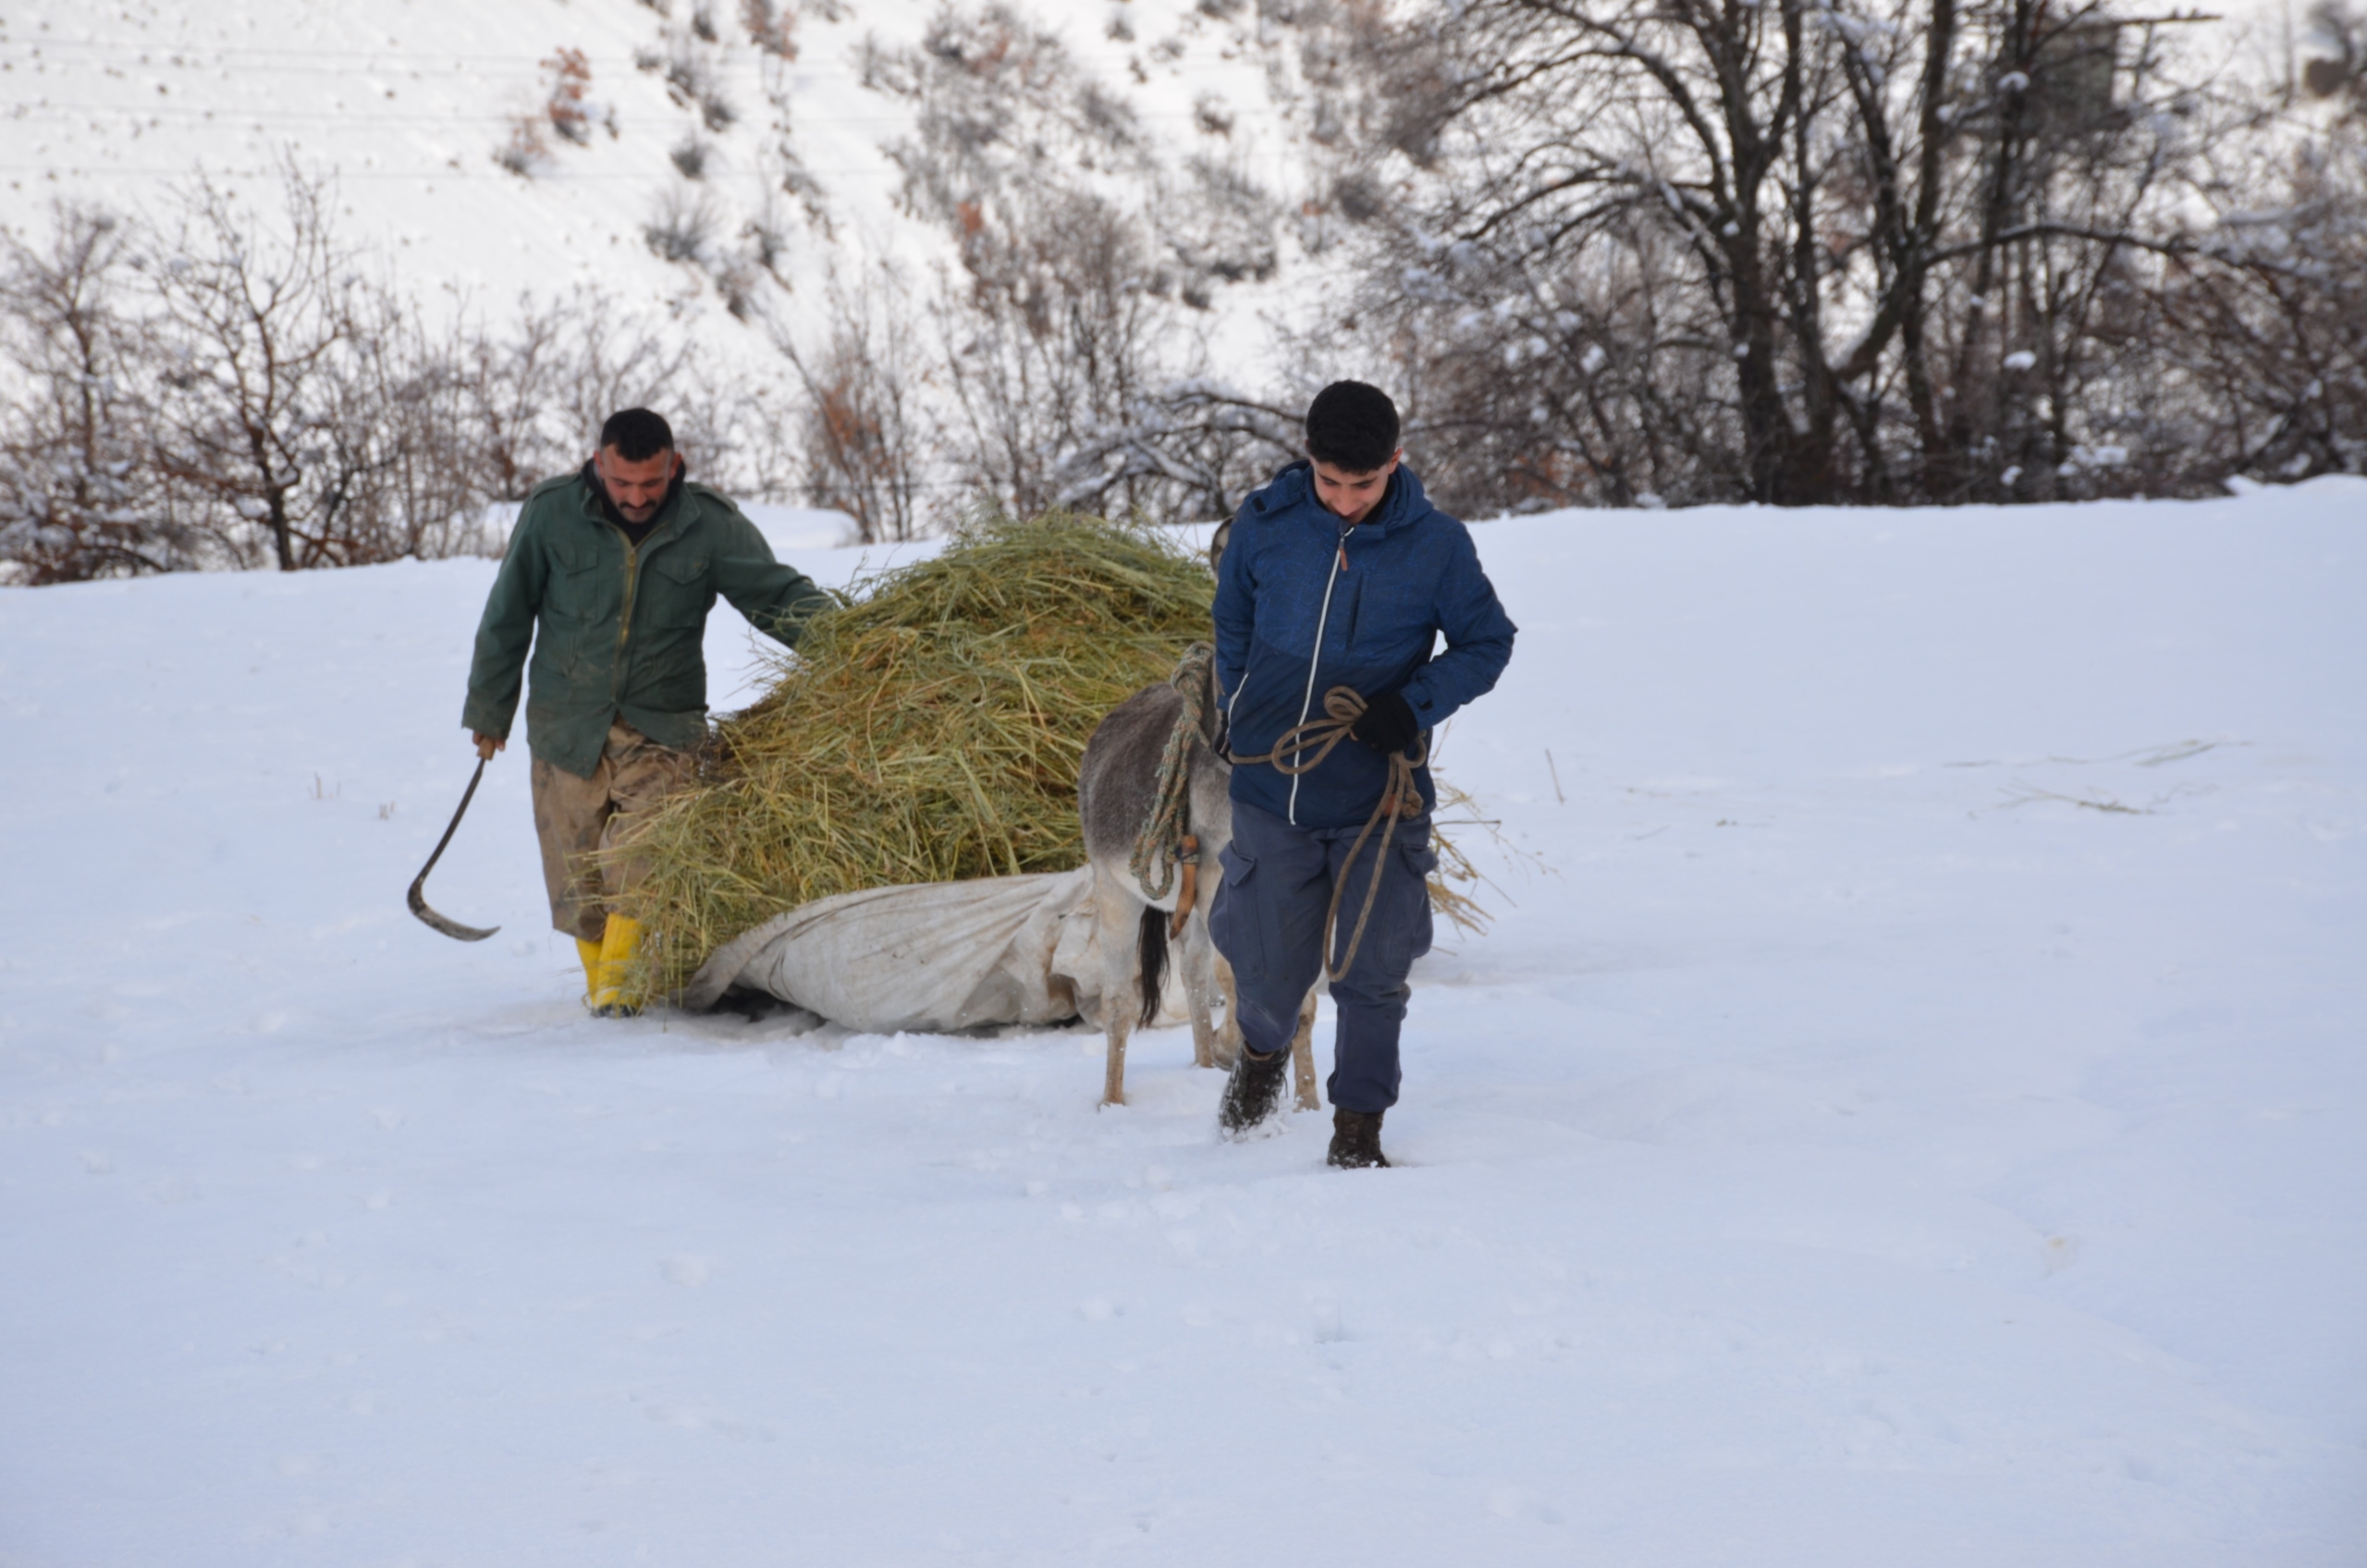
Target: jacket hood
x,y
1404,504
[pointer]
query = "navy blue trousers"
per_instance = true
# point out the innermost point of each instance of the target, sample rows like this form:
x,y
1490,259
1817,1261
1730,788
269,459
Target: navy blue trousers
x,y
1267,918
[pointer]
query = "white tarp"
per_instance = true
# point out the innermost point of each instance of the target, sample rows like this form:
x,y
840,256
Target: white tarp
x,y
935,957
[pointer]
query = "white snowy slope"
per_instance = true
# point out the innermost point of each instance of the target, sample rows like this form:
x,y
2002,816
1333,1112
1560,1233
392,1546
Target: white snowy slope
x,y
1911,1111
405,105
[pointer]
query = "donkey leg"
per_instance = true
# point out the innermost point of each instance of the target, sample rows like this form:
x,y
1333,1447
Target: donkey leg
x,y
1113,1072
1197,964
1117,917
1302,1052
1228,1049
1204,1028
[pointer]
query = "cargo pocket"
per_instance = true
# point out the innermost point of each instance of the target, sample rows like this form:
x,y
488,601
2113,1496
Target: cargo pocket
x,y
1399,931
1421,861
1235,923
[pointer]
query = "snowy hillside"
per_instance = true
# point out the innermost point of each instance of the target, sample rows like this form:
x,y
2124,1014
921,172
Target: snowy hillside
x,y
1910,1110
780,117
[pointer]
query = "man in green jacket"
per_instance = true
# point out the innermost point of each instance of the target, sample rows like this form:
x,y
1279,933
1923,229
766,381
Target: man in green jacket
x,y
610,573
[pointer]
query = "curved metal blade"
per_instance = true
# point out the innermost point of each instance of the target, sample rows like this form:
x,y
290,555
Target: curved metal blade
x,y
452,928
417,898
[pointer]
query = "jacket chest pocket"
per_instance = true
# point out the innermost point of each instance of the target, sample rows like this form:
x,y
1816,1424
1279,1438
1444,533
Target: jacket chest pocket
x,y
582,587
680,584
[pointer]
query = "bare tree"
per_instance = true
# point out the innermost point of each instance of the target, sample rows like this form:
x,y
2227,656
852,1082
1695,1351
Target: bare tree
x,y
391,450
539,389
2265,321
77,494
865,431
1188,451
255,400
1795,252
1057,324
238,392
254,320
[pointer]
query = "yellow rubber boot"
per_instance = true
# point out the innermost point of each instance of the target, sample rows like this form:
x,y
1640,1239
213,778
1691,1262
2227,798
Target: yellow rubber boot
x,y
590,953
613,996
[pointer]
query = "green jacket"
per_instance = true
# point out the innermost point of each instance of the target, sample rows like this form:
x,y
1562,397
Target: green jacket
x,y
620,629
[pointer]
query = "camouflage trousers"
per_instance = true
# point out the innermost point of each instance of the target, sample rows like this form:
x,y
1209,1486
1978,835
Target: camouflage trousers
x,y
575,816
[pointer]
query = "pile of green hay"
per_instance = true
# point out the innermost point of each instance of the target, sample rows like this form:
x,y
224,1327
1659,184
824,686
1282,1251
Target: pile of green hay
x,y
928,730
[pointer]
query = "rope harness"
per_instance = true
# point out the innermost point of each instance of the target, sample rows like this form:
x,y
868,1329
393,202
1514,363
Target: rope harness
x,y
1166,840
1167,843
1342,706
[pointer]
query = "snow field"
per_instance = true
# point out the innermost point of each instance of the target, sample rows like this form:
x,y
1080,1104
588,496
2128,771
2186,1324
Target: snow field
x,y
1857,1142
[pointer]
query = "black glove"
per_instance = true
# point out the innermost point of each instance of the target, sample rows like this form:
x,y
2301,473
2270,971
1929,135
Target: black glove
x,y
1387,725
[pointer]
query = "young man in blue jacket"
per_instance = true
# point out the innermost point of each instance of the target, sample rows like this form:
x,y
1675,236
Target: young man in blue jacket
x,y
1338,573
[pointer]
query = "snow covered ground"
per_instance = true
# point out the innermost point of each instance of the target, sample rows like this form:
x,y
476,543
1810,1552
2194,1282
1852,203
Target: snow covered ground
x,y
1909,1111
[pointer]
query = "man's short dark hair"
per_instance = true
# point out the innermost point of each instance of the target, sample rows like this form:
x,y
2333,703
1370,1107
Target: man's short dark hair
x,y
637,434
1353,428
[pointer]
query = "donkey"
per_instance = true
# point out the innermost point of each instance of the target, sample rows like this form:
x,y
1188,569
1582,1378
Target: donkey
x,y
1117,791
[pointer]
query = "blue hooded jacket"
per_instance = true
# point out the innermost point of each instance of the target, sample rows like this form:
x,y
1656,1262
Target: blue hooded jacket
x,y
1306,602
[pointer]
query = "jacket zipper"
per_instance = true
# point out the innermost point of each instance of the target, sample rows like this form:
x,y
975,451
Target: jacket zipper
x,y
624,622
1339,559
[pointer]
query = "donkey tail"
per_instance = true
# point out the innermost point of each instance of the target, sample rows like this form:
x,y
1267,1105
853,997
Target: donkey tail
x,y
1153,949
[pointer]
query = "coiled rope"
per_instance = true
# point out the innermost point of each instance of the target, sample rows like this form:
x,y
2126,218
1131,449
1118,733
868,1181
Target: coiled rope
x,y
1166,837
1342,706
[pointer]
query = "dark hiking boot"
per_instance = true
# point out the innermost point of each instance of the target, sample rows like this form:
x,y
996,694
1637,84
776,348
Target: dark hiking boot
x,y
1253,1091
1356,1141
